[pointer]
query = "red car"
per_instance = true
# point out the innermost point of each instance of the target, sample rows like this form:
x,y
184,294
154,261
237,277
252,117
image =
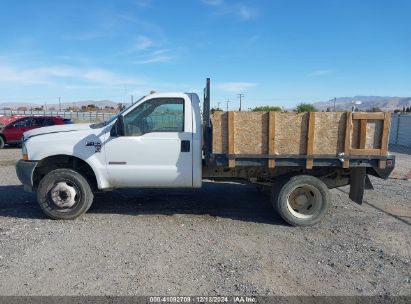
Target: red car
x,y
12,133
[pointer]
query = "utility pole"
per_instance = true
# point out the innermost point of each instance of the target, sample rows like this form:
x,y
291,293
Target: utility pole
x,y
228,100
132,99
240,96
59,105
335,99
218,105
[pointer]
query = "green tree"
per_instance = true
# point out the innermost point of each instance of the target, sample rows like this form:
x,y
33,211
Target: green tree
x,y
305,107
267,109
374,109
120,106
212,110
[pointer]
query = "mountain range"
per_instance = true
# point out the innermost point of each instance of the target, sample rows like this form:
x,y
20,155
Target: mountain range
x,y
366,102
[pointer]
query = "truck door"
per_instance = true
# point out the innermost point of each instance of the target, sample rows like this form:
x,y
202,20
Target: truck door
x,y
156,150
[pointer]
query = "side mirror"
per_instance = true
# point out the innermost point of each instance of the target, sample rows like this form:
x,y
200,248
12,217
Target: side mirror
x,y
118,127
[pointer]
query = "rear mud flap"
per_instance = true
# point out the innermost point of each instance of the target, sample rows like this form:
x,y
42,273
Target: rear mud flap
x,y
359,181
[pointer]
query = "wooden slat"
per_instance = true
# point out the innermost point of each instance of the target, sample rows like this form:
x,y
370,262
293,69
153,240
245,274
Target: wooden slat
x,y
271,138
363,133
347,141
365,152
368,115
384,138
230,133
310,139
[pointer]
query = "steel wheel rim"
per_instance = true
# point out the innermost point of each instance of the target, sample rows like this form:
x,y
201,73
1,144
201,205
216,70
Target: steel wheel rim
x,y
304,201
64,195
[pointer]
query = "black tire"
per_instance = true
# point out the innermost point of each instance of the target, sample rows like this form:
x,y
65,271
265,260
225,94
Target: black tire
x,y
313,195
2,143
74,181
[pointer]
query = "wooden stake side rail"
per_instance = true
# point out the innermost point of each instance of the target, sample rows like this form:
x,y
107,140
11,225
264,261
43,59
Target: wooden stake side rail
x,y
310,140
230,128
348,151
271,138
364,118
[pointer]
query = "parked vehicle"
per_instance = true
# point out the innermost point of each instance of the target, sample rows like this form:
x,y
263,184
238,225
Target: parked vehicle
x,y
161,142
7,119
12,133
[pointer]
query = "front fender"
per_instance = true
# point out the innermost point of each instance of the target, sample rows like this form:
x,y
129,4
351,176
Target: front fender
x,y
72,144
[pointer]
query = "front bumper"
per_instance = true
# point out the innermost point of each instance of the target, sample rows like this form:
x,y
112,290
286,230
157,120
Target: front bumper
x,y
24,170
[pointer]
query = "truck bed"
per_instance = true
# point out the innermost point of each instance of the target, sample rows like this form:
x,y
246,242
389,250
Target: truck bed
x,y
315,139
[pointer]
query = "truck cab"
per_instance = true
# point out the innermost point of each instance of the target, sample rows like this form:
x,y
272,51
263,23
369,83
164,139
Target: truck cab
x,y
155,142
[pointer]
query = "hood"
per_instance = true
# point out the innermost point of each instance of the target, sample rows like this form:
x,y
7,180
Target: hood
x,y
56,129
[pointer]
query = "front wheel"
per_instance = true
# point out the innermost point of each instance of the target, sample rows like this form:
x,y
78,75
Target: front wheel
x,y
302,200
2,143
64,194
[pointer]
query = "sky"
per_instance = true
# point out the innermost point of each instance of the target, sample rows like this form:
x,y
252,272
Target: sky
x,y
275,52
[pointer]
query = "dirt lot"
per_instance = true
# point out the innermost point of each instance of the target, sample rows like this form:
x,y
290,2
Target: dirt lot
x,y
224,239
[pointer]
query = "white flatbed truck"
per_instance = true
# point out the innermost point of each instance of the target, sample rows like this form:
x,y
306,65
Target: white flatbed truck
x,y
162,141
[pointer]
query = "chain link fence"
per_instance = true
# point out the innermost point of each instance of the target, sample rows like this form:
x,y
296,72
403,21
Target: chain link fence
x,y
400,133
400,145
76,117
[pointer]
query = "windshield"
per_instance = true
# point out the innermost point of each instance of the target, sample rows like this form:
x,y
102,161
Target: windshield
x,y
107,122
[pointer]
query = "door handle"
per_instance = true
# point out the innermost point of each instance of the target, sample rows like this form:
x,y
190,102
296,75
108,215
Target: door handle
x,y
185,146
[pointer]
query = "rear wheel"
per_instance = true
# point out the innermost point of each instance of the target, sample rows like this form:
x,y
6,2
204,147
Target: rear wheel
x,y
302,200
64,194
2,143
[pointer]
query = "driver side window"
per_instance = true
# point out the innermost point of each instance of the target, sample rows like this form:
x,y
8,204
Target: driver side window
x,y
155,115
22,123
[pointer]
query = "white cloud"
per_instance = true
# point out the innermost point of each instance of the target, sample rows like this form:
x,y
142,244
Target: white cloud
x,y
146,51
85,36
140,45
9,74
319,73
241,10
54,74
162,55
246,12
143,43
235,86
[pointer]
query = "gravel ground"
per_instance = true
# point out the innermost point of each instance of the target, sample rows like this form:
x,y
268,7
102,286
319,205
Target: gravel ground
x,y
223,239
